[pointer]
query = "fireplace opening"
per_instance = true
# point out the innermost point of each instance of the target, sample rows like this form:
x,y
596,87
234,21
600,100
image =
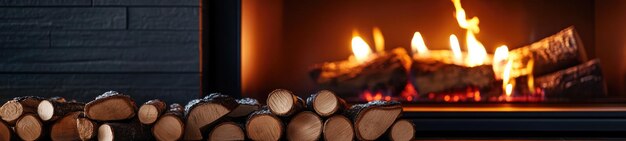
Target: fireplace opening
x,y
430,51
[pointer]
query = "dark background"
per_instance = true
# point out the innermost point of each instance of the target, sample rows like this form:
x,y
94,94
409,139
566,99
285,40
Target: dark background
x,y
82,48
281,39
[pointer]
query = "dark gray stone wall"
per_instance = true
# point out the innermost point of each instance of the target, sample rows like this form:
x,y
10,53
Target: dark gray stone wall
x,y
81,48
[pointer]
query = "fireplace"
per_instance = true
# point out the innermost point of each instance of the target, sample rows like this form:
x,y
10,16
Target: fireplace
x,y
562,74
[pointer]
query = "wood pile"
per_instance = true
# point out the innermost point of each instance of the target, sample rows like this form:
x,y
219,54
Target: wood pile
x,y
114,116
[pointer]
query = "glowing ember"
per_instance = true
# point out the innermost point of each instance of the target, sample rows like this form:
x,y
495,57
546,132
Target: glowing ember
x,y
418,45
360,49
379,41
476,53
531,78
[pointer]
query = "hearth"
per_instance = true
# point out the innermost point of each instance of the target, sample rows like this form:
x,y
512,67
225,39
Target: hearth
x,y
460,68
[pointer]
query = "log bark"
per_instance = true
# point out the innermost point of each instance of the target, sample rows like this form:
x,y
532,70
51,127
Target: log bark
x,y
284,103
575,83
55,108
401,130
87,129
338,128
130,131
111,106
304,126
30,128
263,125
385,72
66,129
436,77
246,106
371,120
559,51
227,131
201,113
325,103
14,109
150,111
170,126
6,133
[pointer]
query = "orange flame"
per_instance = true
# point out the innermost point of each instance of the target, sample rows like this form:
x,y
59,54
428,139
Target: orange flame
x,y
360,49
499,60
456,48
379,41
476,53
418,46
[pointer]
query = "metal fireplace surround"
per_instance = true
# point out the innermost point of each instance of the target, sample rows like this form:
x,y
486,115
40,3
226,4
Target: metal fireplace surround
x,y
221,22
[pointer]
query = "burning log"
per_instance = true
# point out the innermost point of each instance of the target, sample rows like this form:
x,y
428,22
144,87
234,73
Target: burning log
x,y
581,81
338,128
325,103
203,112
384,72
304,126
55,108
227,131
436,77
29,127
111,106
131,131
66,129
246,106
371,120
14,109
86,127
284,103
559,51
150,111
170,127
6,133
401,130
263,125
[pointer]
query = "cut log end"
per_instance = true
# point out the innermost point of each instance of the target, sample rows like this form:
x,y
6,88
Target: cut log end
x,y
29,127
280,101
371,120
148,114
65,128
284,103
45,110
86,128
326,103
338,128
305,126
264,127
5,132
168,128
201,116
402,130
11,111
374,122
105,133
227,131
115,108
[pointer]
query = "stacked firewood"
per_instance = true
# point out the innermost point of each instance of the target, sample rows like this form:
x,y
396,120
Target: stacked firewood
x,y
114,116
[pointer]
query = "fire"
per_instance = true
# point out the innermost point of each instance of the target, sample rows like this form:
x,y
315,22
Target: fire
x,y
500,59
476,53
379,41
418,45
507,84
456,48
360,49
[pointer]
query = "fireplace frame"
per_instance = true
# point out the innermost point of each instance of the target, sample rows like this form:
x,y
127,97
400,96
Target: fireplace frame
x,y
221,71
